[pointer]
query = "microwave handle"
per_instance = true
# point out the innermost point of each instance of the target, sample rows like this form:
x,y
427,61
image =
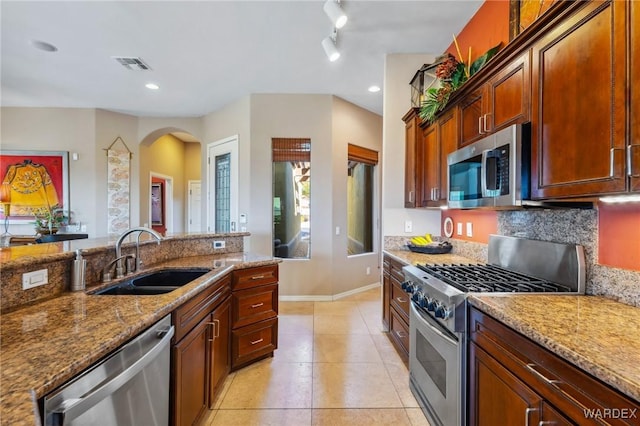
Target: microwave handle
x,y
483,173
485,170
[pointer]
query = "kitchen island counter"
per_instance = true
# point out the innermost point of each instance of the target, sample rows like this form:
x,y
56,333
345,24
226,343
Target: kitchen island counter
x,y
44,344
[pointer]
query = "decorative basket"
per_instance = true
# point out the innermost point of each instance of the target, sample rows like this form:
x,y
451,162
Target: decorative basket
x,y
440,248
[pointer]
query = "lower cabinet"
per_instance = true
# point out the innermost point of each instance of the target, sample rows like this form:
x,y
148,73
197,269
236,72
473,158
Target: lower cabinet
x,y
514,381
395,306
200,354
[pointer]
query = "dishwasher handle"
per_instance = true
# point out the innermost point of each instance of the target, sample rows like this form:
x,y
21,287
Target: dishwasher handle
x,y
72,408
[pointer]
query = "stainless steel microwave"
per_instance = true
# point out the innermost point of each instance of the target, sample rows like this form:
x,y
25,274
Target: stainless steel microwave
x,y
492,172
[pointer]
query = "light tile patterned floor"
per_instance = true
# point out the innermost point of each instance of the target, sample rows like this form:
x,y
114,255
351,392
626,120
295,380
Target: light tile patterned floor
x,y
334,366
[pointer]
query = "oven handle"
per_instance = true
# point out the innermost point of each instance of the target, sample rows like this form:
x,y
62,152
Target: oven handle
x,y
427,322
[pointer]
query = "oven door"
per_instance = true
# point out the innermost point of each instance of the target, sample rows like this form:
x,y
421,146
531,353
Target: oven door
x,y
435,366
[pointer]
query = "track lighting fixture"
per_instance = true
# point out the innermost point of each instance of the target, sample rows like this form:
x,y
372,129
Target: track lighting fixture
x,y
335,13
329,46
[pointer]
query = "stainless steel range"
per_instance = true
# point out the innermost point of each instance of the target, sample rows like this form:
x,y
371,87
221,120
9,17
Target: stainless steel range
x,y
438,341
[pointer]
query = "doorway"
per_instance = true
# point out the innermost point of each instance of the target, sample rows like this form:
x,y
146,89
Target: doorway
x,y
161,203
222,180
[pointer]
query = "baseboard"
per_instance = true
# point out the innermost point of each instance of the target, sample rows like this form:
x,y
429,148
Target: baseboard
x,y
320,298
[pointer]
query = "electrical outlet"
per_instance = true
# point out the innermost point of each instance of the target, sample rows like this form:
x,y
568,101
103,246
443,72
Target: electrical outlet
x,y
469,229
35,279
368,270
218,244
408,226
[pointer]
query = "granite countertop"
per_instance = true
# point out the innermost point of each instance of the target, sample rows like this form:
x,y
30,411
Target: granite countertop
x,y
45,344
599,335
411,258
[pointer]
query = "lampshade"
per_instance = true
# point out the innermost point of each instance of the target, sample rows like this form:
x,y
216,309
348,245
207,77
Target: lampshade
x,y
330,49
335,13
5,193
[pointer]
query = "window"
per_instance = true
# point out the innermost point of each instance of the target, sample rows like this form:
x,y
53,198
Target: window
x,y
291,196
360,193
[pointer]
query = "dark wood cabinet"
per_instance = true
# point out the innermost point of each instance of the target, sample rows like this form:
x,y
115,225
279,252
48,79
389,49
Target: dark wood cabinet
x,y
500,102
633,150
431,165
254,323
395,308
578,99
513,380
200,360
447,143
413,160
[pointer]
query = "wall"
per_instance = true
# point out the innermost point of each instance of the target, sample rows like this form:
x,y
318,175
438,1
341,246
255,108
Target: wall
x,y
399,69
60,129
192,161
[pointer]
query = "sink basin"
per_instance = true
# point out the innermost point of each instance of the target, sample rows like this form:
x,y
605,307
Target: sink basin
x,y
153,283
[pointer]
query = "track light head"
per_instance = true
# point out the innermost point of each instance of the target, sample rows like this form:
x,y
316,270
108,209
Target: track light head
x,y
335,13
329,46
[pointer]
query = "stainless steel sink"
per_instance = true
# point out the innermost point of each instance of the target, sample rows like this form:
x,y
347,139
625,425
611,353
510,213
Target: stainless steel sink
x,y
152,283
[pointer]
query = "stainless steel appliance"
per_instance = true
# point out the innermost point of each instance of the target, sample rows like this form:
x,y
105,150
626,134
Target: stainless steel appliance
x,y
130,387
492,172
437,322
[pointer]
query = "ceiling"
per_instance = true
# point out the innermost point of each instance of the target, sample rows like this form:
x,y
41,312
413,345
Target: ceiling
x,y
206,54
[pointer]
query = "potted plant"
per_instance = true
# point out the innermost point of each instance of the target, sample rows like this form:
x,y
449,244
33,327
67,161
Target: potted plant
x,y
49,220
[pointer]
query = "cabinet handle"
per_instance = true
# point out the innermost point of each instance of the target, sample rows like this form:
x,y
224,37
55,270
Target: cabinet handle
x,y
213,332
436,193
401,334
401,300
486,129
532,368
630,147
411,196
216,328
526,415
480,125
257,305
542,423
255,342
612,155
257,277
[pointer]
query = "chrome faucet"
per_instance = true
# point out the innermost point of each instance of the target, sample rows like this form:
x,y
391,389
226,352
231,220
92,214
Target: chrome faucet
x,y
106,271
124,235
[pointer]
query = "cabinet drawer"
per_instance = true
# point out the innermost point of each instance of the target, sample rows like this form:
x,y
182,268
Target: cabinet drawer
x,y
400,300
253,277
254,305
399,334
186,316
253,341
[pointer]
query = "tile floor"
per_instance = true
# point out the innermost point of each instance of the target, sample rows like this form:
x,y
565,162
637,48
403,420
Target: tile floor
x,y
333,366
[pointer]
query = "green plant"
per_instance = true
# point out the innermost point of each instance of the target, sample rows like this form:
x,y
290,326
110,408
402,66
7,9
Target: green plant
x,y
451,75
48,218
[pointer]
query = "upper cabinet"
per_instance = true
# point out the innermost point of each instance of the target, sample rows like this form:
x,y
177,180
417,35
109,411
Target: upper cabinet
x,y
633,148
578,99
503,100
412,166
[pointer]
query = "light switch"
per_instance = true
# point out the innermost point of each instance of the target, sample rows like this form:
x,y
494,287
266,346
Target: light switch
x,y
469,229
408,226
459,228
337,230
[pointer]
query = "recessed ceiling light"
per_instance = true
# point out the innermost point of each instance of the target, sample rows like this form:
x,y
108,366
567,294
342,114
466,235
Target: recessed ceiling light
x,y
374,89
44,46
152,86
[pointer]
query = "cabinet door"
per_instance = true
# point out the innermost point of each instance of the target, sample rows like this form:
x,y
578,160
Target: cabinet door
x,y
411,173
508,95
634,144
550,416
220,354
497,397
471,114
448,140
578,104
191,360
431,165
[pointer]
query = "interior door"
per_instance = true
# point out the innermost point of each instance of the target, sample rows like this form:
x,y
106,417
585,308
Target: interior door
x,y
222,179
194,214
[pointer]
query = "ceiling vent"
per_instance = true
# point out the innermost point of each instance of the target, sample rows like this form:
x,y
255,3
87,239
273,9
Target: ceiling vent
x,y
133,64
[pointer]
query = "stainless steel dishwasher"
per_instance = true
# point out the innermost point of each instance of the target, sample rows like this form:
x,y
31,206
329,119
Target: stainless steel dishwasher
x,y
129,387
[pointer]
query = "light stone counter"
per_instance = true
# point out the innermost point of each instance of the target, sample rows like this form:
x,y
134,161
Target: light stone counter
x,y
599,335
411,258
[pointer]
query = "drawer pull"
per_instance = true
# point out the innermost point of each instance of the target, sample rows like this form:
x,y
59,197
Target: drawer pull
x,y
401,300
255,342
401,334
257,277
526,415
532,368
257,305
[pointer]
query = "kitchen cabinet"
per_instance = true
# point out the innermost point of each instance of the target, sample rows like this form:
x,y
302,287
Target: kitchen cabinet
x,y
200,355
513,380
413,160
633,147
439,140
578,103
500,102
395,306
254,324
